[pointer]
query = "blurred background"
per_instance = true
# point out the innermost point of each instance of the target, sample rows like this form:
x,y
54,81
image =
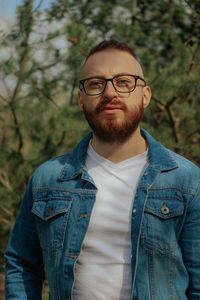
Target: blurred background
x,y
42,46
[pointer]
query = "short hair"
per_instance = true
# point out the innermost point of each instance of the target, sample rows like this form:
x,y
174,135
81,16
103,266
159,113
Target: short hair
x,y
111,44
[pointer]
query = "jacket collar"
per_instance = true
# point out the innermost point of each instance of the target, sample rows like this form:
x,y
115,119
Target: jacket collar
x,y
159,157
74,166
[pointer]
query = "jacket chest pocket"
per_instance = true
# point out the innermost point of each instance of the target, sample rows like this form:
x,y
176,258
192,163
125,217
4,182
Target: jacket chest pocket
x,y
163,216
51,216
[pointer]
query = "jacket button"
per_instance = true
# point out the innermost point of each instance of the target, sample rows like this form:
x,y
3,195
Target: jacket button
x,y
48,211
165,209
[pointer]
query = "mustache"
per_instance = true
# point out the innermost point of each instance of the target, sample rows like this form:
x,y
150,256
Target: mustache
x,y
102,105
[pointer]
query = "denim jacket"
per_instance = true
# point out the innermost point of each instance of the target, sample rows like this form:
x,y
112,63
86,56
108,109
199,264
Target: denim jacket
x,y
55,213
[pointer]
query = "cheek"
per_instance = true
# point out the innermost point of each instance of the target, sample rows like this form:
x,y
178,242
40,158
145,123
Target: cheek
x,y
89,103
86,101
136,99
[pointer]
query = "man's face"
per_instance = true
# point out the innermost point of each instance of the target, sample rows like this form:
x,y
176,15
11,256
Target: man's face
x,y
114,116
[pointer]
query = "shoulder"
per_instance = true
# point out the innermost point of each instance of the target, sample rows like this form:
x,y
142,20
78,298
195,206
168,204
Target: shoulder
x,y
176,171
168,161
184,165
49,171
186,174
61,168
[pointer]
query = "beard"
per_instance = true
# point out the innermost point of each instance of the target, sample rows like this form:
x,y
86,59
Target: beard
x,y
109,129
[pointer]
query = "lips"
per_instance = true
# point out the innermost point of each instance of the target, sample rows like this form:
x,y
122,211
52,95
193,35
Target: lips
x,y
111,107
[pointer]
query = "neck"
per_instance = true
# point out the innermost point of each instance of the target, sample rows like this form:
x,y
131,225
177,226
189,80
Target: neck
x,y
117,152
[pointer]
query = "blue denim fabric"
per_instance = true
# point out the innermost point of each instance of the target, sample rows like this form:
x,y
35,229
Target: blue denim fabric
x,y
55,213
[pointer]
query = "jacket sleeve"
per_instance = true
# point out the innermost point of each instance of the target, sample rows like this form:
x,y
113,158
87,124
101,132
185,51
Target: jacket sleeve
x,y
190,245
24,263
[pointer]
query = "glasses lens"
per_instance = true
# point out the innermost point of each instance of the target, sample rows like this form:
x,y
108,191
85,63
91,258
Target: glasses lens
x,y
124,83
94,86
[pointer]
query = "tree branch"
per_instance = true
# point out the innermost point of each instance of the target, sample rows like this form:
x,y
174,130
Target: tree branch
x,y
61,139
4,180
72,89
175,124
17,127
33,70
160,104
197,130
47,96
194,57
23,60
3,98
22,69
134,6
38,5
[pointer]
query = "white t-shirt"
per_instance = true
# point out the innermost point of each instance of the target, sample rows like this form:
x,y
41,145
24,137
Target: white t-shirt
x,y
103,269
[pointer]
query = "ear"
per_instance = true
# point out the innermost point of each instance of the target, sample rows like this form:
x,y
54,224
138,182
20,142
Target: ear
x,y
146,96
80,101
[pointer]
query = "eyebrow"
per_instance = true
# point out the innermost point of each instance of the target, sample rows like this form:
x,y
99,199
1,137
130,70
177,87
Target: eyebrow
x,y
99,76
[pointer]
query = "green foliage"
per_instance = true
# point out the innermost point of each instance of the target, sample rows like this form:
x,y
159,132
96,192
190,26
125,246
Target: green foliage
x,y
39,77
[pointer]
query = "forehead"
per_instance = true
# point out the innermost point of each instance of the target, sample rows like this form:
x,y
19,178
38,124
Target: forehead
x,y
108,63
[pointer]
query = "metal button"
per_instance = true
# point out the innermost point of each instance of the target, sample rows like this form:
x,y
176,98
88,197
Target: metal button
x,y
48,211
165,209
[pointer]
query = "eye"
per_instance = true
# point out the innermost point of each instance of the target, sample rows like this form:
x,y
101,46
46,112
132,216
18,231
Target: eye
x,y
95,83
123,81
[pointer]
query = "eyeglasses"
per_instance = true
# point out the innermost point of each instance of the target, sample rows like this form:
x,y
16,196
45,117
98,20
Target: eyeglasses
x,y
124,83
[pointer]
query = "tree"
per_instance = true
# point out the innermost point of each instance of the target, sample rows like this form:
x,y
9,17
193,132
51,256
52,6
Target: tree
x,y
36,120
39,75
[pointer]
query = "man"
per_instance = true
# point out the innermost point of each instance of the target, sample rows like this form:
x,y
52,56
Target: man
x,y
117,218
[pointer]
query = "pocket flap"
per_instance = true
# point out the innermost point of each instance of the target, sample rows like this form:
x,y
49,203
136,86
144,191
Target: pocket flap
x,y
165,208
50,208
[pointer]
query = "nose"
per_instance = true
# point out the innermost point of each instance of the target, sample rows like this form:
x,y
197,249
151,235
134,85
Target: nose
x,y
110,91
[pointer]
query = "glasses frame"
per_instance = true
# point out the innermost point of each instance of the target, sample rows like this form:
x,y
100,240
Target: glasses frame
x,y
82,83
